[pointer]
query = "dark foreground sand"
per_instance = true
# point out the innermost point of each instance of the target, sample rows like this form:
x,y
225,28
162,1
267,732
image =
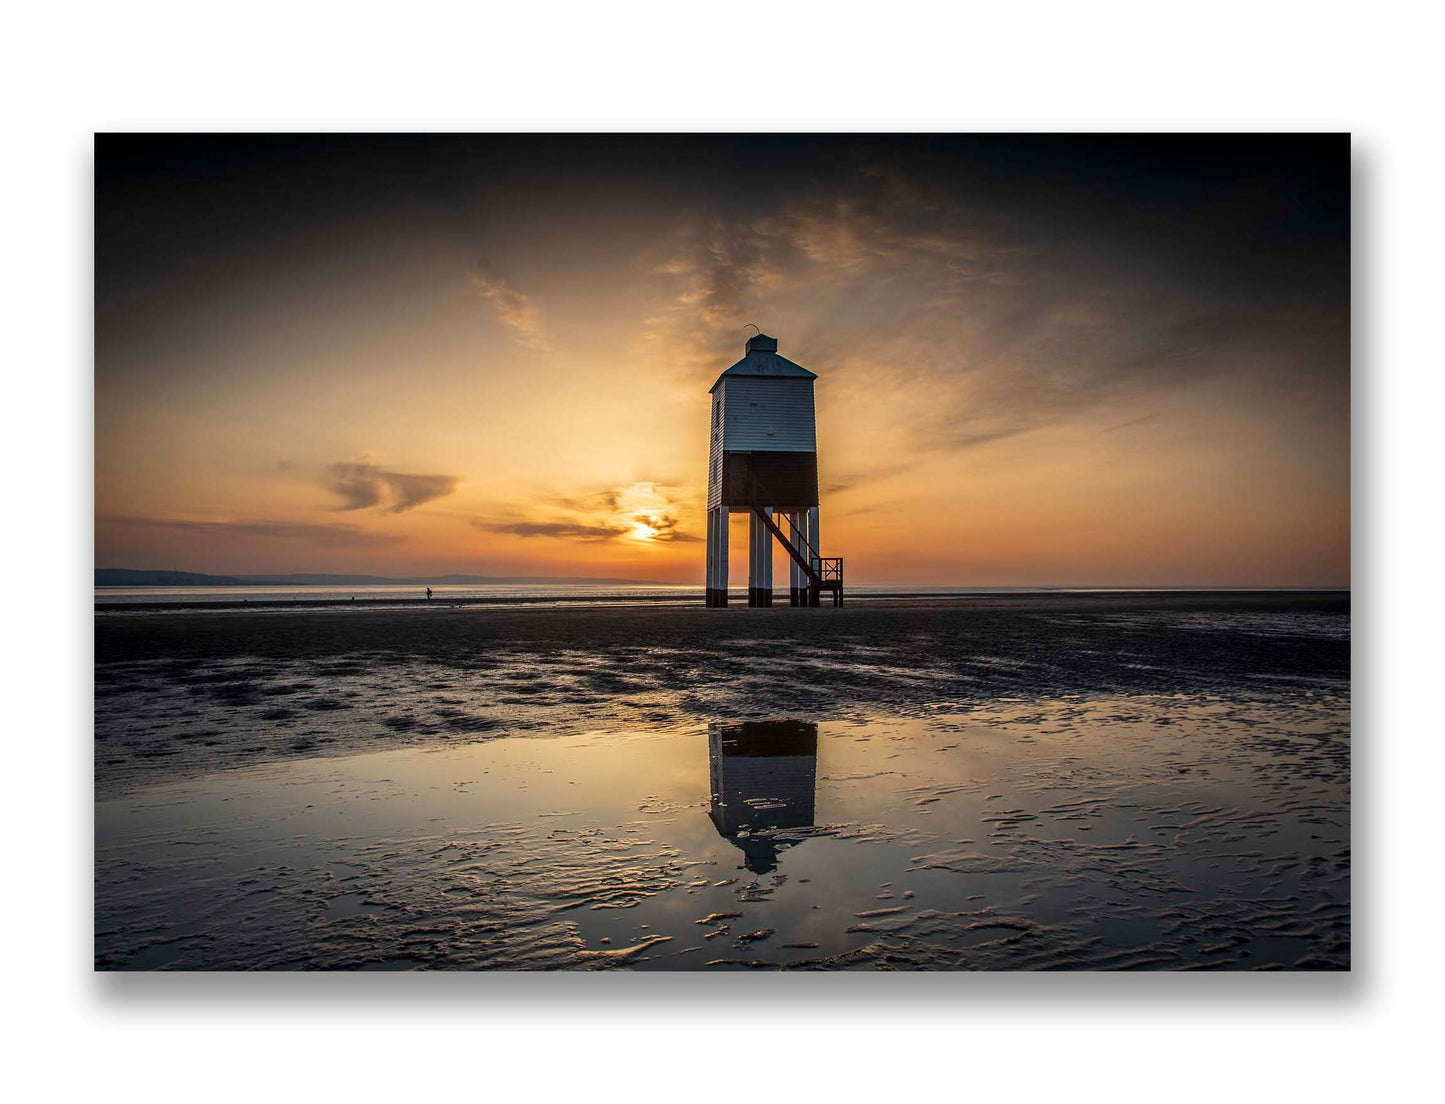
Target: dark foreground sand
x,y
186,691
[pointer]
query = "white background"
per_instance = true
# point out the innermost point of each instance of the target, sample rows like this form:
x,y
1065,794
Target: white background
x,y
69,70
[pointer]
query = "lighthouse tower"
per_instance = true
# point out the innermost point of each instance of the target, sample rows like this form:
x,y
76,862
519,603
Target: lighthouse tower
x,y
763,461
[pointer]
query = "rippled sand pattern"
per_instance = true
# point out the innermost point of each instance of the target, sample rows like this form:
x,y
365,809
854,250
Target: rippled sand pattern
x,y
180,695
1143,832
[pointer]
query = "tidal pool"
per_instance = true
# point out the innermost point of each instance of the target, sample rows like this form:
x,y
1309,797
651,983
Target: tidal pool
x,y
1137,832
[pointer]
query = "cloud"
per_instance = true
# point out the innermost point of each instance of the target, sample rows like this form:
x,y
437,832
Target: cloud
x,y
864,476
939,324
361,485
413,490
559,529
841,246
603,501
326,535
1129,424
664,528
358,485
513,309
642,511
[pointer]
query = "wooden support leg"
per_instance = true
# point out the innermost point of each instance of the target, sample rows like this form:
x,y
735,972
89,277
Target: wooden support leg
x,y
717,557
755,560
765,573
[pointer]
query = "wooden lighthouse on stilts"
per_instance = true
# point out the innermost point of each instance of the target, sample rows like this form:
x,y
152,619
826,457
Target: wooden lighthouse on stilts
x,y
764,460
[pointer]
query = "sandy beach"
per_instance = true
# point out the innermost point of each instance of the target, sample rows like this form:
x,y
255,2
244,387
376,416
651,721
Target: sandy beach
x,y
1037,781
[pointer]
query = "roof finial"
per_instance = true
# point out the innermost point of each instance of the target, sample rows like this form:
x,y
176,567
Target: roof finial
x,y
755,326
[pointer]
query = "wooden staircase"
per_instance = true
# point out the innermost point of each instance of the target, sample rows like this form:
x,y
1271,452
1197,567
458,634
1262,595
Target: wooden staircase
x,y
823,573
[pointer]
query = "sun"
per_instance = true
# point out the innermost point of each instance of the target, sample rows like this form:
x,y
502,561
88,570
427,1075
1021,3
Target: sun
x,y
641,531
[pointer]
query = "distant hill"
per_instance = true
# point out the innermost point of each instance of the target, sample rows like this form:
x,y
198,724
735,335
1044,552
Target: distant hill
x,y
120,576
124,576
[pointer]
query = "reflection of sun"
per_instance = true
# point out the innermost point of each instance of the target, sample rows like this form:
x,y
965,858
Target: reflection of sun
x,y
641,531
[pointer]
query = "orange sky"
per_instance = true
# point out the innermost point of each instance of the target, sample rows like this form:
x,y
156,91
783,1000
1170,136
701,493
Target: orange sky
x,y
305,366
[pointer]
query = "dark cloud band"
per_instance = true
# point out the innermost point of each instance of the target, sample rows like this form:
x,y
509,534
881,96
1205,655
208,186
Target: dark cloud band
x,y
361,486
333,535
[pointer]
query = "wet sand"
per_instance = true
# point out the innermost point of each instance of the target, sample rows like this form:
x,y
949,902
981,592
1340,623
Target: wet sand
x,y
1043,781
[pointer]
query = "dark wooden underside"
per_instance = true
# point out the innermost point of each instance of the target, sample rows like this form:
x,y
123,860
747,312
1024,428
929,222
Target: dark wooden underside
x,y
782,480
768,738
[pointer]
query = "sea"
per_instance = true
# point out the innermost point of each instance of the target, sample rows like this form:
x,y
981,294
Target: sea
x,y
107,597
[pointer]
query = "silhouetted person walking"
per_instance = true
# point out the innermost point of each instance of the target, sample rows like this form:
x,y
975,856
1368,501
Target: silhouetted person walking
x,y
428,594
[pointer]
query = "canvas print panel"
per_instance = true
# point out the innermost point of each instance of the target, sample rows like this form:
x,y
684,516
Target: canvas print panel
x,y
668,552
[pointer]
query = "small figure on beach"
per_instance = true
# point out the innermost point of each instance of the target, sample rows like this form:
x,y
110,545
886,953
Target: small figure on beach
x,y
428,594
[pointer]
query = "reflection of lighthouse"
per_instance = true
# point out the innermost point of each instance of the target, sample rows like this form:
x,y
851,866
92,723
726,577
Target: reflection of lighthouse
x,y
762,774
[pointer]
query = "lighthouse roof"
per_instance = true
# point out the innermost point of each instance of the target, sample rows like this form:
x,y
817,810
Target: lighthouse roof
x,y
762,359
